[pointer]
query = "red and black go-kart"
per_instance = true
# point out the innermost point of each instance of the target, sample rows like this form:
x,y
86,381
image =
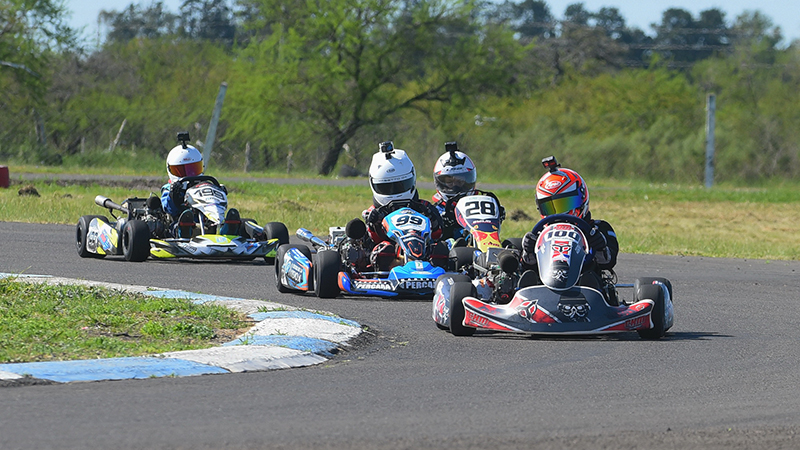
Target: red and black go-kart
x,y
498,298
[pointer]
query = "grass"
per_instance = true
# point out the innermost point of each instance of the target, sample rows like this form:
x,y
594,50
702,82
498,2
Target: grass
x,y
726,221
64,322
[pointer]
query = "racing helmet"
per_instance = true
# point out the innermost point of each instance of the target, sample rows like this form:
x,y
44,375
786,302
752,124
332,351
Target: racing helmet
x,y
454,172
391,175
561,191
184,160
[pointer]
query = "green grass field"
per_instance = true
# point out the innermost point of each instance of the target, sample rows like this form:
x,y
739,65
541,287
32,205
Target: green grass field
x,y
667,219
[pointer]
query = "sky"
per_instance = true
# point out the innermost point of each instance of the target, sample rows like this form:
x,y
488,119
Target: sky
x,y
637,13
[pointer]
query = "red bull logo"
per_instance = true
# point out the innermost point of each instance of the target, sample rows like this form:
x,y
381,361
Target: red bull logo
x,y
486,240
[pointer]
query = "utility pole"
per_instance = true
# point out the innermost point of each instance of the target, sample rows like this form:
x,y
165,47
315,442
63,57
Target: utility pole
x,y
208,145
711,108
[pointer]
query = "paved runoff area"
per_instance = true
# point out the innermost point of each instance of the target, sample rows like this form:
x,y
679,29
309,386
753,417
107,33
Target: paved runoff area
x,y
283,337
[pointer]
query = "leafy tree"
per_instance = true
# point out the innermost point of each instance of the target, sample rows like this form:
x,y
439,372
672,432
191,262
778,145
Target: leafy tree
x,y
207,19
135,21
330,69
577,14
30,31
686,40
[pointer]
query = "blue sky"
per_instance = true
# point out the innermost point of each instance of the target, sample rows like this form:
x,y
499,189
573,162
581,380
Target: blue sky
x,y
637,13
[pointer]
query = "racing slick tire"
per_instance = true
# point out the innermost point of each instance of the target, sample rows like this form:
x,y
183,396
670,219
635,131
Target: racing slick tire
x,y
279,256
277,230
649,280
326,273
461,257
515,243
135,241
460,290
655,293
455,277
81,230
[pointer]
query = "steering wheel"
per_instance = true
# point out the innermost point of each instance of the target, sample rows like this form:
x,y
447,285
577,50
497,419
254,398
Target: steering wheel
x,y
191,181
568,218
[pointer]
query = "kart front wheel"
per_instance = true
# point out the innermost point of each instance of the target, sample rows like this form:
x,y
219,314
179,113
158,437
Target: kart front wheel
x,y
649,280
81,230
655,293
443,279
136,241
462,257
458,291
279,259
326,273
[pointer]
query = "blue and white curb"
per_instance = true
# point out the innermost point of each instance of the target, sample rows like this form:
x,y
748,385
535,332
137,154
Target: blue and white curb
x,y
283,337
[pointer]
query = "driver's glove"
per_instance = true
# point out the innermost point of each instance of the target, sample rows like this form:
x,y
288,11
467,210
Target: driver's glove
x,y
177,193
598,243
529,249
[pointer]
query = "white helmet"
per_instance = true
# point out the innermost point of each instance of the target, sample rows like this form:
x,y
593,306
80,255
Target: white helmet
x,y
184,160
391,175
454,172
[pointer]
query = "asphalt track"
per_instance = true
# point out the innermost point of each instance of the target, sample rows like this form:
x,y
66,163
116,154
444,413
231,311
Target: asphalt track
x,y
726,376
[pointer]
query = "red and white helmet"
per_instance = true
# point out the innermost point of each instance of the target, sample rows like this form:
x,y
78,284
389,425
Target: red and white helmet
x,y
561,191
184,160
454,172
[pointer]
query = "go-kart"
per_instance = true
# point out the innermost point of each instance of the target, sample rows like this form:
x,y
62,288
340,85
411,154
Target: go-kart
x,y
497,297
144,230
337,264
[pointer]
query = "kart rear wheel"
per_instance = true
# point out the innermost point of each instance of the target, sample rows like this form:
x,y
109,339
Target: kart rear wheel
x,y
136,240
279,257
655,293
326,273
277,230
81,230
458,291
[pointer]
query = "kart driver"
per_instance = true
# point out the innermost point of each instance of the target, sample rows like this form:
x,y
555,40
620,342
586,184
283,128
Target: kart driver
x,y
186,161
563,191
393,180
454,175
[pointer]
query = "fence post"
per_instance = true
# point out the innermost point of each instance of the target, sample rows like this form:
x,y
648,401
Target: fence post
x,y
212,127
711,108
114,143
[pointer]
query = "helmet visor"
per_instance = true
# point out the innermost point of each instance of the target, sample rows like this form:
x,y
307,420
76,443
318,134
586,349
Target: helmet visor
x,y
187,170
455,183
392,188
549,206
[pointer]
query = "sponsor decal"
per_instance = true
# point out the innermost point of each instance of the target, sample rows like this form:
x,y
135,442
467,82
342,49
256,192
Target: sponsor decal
x,y
415,284
637,323
528,309
475,320
552,184
295,273
574,310
440,307
380,285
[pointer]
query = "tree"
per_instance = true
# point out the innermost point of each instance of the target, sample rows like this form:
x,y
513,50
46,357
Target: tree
x,y
30,32
135,21
332,68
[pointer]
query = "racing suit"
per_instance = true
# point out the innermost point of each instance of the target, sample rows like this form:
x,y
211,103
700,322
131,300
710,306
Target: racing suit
x,y
383,251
